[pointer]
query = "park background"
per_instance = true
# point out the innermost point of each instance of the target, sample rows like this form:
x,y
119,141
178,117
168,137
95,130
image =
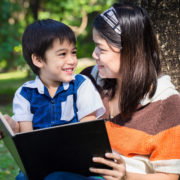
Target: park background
x,y
79,15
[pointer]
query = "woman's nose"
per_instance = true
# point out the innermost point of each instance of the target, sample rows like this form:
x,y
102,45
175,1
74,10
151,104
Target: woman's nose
x,y
95,53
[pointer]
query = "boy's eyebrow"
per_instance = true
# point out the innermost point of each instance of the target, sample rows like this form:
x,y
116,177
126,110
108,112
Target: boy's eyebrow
x,y
59,50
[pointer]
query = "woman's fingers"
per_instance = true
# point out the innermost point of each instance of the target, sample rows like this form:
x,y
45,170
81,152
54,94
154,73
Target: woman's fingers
x,y
109,178
107,172
116,157
106,162
115,162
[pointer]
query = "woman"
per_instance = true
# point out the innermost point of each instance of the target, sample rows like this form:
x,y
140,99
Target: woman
x,y
142,104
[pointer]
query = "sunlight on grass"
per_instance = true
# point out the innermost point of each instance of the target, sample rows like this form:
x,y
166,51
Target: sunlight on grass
x,y
13,75
23,74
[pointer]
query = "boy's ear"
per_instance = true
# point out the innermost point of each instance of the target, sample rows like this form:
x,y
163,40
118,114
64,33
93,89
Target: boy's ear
x,y
36,60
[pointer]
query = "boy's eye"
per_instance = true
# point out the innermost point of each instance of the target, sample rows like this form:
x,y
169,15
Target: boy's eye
x,y
62,54
74,52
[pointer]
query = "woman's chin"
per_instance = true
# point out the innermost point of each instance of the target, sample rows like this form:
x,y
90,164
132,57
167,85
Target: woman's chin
x,y
103,76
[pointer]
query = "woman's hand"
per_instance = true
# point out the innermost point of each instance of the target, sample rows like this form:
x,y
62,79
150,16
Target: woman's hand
x,y
114,161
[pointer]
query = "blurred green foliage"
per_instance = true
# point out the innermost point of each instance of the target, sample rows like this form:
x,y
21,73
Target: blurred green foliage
x,y
17,14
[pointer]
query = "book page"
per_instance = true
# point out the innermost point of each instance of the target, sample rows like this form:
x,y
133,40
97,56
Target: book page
x,y
6,124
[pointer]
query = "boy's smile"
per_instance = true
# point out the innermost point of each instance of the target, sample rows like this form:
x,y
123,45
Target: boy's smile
x,y
60,63
69,70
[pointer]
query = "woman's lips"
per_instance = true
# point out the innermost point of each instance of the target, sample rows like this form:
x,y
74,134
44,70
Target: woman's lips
x,y
100,66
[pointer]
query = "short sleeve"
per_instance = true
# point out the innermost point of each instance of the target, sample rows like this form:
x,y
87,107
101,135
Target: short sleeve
x,y
21,107
89,100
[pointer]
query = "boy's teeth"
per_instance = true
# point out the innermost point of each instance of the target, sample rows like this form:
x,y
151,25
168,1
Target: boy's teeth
x,y
69,69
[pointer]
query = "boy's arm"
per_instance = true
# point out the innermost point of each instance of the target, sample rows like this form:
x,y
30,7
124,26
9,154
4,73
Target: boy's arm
x,y
21,110
89,117
89,101
25,126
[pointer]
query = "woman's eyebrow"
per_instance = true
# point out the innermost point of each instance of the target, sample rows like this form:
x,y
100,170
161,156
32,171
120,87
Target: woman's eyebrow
x,y
97,44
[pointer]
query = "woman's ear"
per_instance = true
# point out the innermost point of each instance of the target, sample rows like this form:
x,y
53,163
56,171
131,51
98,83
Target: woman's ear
x,y
37,61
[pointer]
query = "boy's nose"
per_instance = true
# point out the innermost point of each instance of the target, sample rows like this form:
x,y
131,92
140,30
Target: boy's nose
x,y
72,60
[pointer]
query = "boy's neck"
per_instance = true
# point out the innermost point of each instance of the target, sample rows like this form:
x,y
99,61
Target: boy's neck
x,y
52,91
52,86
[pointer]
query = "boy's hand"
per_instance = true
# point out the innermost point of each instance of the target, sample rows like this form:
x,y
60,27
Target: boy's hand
x,y
13,124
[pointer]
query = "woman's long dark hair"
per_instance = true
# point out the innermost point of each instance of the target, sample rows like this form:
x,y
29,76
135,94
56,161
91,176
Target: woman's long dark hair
x,y
140,63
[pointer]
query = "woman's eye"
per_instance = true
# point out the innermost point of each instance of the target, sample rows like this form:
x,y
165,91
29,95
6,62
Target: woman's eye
x,y
102,50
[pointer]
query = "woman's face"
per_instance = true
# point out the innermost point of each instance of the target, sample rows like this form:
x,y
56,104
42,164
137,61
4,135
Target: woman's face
x,y
107,57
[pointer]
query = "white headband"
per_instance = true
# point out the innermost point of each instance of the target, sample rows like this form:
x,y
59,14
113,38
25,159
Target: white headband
x,y
110,17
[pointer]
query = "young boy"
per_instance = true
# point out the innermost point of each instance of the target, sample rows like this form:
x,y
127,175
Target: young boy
x,y
56,96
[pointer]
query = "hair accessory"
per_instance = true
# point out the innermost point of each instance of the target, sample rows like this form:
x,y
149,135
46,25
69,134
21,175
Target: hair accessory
x,y
110,17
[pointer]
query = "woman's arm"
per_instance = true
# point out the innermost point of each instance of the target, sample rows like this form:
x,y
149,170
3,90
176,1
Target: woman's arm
x,y
155,176
118,171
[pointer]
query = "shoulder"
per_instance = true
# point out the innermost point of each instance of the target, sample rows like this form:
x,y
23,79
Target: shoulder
x,y
80,79
164,90
26,85
165,103
87,71
171,110
26,89
92,73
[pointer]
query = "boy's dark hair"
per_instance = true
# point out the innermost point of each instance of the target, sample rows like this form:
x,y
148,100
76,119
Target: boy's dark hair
x,y
140,63
39,36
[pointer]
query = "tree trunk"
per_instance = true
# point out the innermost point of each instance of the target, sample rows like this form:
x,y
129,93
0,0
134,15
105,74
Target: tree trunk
x,y
34,5
165,15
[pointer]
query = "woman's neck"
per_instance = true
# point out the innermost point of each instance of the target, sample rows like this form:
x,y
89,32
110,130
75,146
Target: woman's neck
x,y
114,103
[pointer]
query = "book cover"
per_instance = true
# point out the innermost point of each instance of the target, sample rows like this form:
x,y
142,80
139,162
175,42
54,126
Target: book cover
x,y
67,147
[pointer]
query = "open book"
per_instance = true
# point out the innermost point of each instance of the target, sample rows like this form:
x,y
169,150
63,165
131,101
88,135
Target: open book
x,y
61,148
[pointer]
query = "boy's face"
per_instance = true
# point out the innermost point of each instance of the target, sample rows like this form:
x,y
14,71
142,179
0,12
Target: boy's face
x,y
60,63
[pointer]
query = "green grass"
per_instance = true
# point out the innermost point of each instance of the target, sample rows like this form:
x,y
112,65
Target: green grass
x,y
8,167
9,83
